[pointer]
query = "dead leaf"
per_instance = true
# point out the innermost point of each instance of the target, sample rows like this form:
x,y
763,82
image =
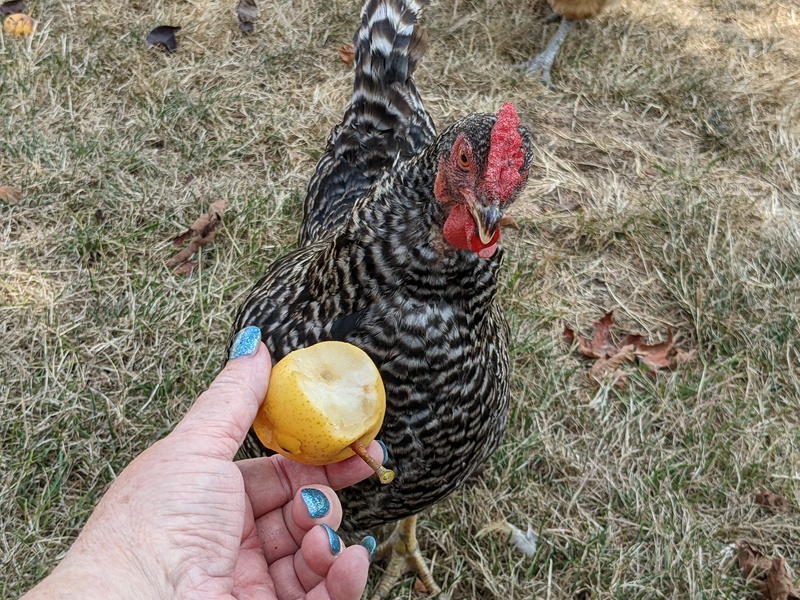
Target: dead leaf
x,y
610,368
347,53
768,576
419,587
247,11
663,355
771,500
10,195
508,222
163,36
13,7
779,586
751,562
611,357
202,232
186,268
601,345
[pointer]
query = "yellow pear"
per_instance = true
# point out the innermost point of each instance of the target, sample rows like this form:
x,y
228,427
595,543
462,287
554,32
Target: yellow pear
x,y
324,403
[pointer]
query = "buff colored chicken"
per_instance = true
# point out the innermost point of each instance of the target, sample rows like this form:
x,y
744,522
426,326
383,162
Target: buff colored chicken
x,y
568,12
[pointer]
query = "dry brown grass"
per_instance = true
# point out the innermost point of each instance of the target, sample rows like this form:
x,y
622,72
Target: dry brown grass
x,y
675,127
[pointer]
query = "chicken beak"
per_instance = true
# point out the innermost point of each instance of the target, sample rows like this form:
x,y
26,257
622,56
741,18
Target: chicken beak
x,y
487,220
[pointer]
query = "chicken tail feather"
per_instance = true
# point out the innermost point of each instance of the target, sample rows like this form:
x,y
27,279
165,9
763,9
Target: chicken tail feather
x,y
386,119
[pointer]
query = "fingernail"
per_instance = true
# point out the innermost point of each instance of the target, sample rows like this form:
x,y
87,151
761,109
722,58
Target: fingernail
x,y
385,452
333,539
246,342
370,544
316,502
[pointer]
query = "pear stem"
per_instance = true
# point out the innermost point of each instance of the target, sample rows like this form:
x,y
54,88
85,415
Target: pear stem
x,y
385,475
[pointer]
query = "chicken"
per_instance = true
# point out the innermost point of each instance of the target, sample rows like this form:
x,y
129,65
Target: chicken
x,y
567,11
399,254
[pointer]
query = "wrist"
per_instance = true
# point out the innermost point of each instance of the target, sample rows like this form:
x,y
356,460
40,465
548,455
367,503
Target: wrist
x,y
87,577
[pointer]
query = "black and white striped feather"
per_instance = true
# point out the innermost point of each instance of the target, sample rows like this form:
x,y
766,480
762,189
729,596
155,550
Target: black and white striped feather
x,y
385,122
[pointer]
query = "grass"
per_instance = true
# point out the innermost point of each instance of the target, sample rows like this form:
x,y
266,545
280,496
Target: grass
x,y
676,129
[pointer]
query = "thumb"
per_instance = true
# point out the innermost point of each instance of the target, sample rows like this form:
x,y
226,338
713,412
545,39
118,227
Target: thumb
x,y
219,420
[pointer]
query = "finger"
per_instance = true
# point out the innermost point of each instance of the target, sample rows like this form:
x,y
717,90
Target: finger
x,y
320,548
273,481
343,581
281,531
311,506
347,577
219,420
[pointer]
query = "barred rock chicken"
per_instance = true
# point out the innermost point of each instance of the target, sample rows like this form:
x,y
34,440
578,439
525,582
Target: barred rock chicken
x,y
568,11
399,255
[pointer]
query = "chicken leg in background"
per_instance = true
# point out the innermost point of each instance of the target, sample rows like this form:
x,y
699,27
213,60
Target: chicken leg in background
x,y
400,248
568,12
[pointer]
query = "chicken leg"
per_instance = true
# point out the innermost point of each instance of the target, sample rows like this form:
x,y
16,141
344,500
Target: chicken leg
x,y
405,556
541,64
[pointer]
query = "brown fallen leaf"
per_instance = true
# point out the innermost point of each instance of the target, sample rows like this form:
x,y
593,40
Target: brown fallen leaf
x,y
768,576
611,356
601,345
247,11
9,195
347,53
772,500
186,268
779,586
508,222
202,232
751,562
662,355
610,368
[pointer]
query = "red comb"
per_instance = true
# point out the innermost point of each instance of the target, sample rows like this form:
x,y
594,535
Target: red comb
x,y
506,154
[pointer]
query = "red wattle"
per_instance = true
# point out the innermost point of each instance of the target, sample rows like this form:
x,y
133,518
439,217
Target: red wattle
x,y
459,231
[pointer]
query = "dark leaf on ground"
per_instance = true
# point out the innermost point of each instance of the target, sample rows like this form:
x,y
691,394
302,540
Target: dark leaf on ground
x,y
13,7
164,36
202,232
611,357
247,11
773,501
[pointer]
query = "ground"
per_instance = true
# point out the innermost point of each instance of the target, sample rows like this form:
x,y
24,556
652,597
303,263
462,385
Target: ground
x,y
665,188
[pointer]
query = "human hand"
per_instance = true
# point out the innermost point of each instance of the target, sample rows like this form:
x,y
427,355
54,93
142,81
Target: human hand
x,y
184,520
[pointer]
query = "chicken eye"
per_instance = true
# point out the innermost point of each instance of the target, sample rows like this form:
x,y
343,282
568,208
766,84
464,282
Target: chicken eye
x,y
463,159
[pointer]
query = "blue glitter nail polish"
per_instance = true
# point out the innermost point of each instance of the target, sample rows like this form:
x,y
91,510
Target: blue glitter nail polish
x,y
316,502
333,539
246,342
385,452
370,544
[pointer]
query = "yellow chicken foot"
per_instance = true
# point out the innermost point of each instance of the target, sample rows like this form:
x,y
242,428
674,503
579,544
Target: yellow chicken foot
x,y
405,556
541,64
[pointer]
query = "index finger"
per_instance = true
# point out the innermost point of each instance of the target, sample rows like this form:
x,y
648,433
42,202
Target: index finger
x,y
270,482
